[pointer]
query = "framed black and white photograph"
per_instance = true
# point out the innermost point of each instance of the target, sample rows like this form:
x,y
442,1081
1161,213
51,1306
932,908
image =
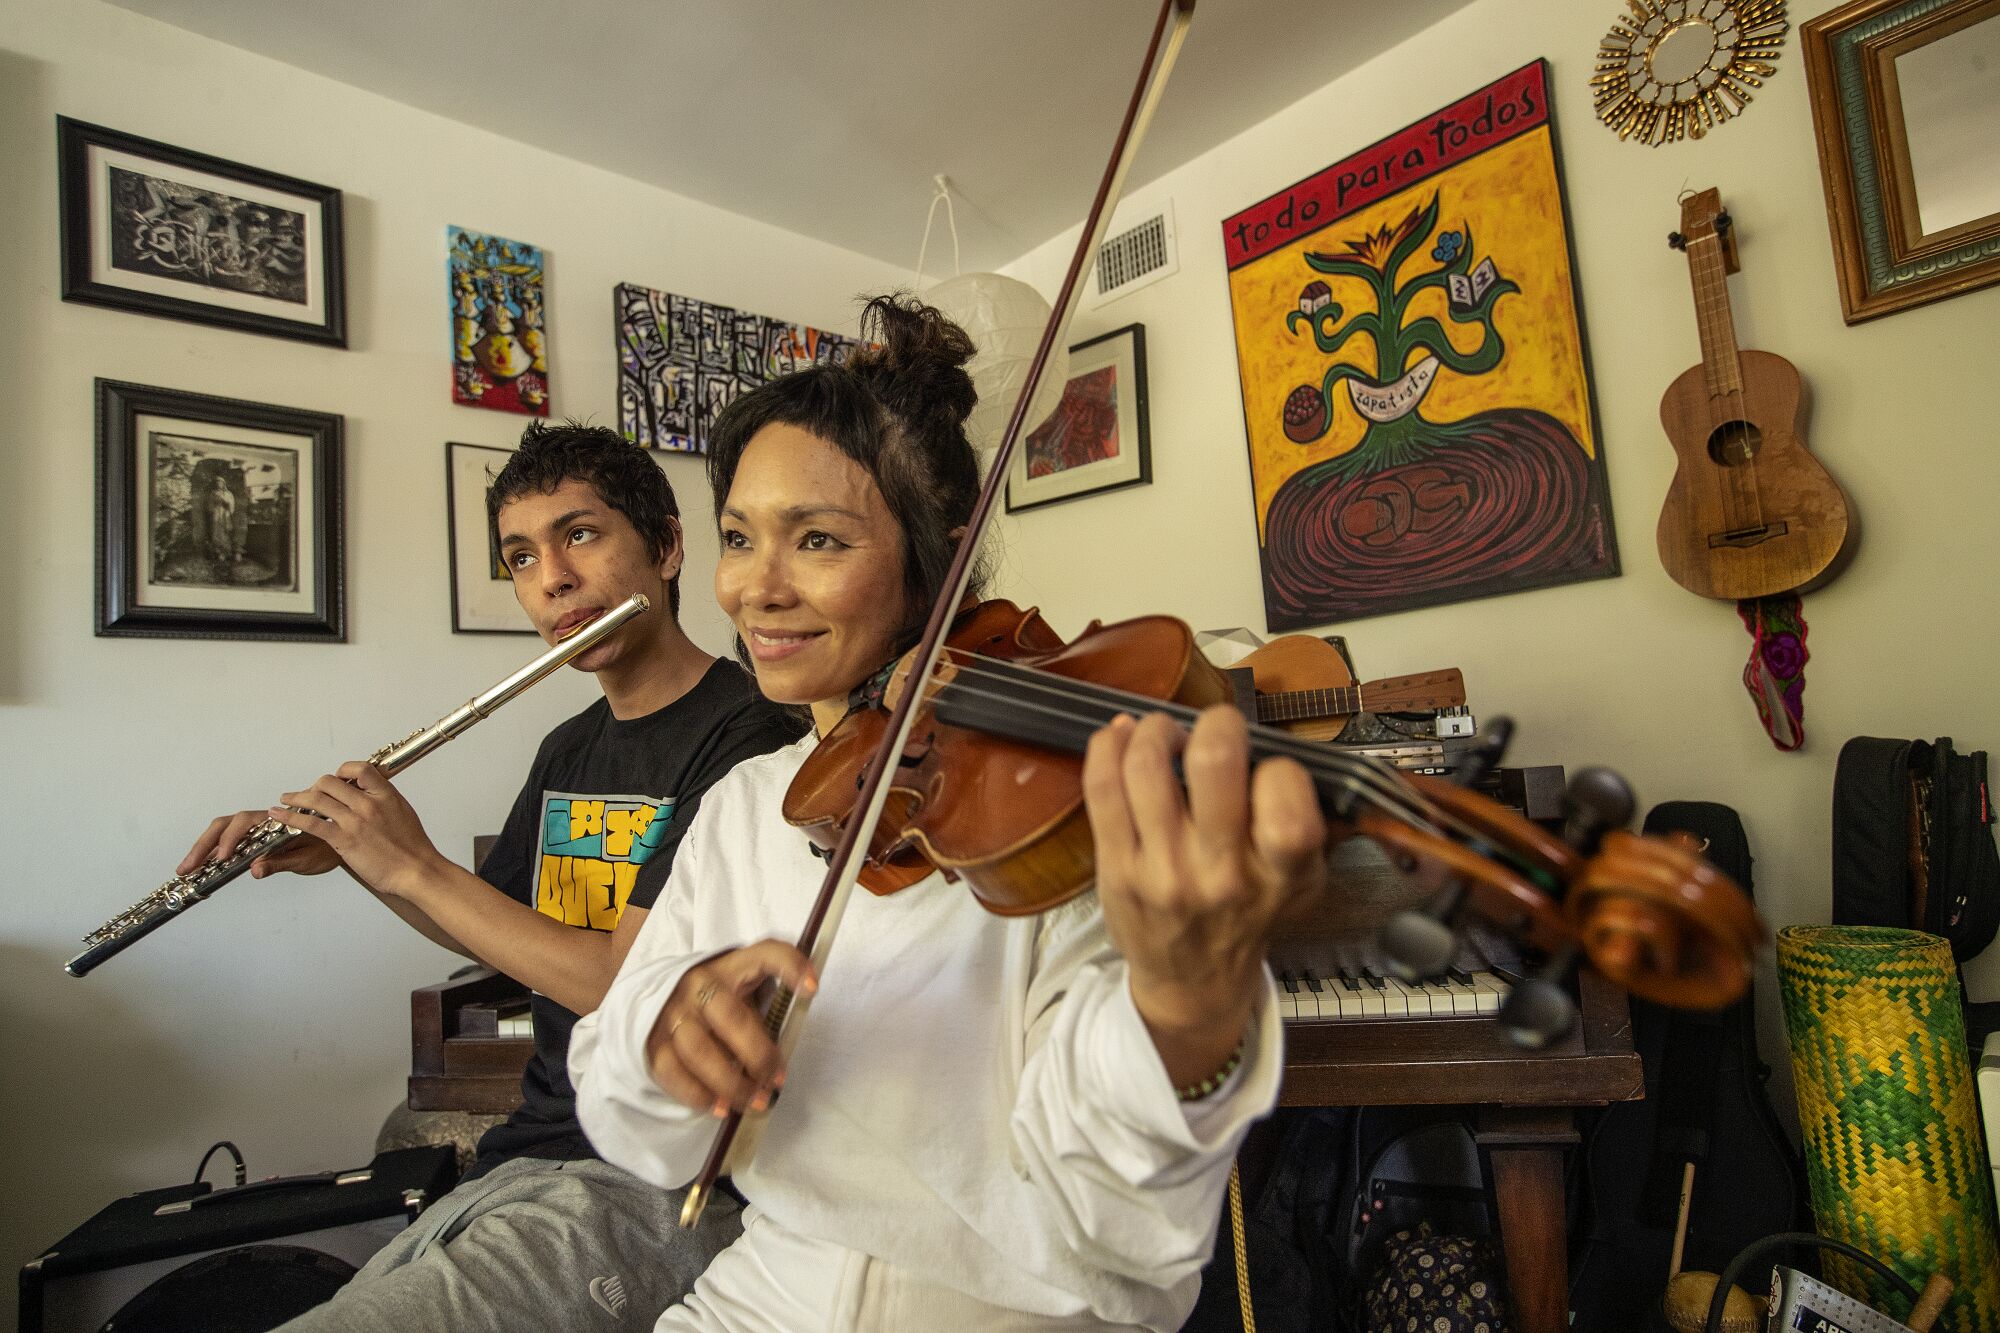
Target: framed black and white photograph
x,y
482,594
217,518
163,231
1097,438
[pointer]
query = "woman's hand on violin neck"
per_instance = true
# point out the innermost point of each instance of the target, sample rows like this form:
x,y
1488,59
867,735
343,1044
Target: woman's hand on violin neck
x,y
708,1048
1191,878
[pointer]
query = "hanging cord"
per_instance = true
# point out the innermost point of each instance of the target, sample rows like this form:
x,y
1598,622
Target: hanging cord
x,y
241,1174
943,196
1242,1250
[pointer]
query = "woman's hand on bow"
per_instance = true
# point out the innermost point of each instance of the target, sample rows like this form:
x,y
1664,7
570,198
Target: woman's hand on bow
x,y
708,1048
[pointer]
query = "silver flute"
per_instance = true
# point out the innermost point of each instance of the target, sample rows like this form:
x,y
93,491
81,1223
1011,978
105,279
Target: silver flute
x,y
184,891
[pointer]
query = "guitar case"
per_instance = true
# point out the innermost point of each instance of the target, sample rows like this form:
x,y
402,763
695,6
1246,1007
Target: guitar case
x,y
1913,848
1707,1102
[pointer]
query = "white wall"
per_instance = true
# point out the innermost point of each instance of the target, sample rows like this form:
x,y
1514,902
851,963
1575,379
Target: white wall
x,y
1633,671
277,1015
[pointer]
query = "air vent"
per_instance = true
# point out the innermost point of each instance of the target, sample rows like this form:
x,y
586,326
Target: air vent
x,y
1136,257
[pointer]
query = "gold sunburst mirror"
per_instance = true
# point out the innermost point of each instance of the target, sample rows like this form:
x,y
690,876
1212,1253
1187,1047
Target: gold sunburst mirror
x,y
1675,69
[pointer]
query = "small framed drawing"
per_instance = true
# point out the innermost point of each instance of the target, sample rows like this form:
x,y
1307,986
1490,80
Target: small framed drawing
x,y
1097,438
1903,93
217,519
164,231
482,595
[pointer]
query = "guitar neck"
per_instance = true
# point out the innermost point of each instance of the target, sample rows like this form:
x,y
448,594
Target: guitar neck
x,y
1398,694
1303,705
1709,272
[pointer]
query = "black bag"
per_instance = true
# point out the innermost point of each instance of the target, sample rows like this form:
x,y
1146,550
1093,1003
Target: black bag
x,y
1298,1180
1706,1103
1913,842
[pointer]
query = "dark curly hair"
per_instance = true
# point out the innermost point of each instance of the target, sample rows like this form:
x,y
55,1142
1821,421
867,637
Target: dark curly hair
x,y
897,408
623,475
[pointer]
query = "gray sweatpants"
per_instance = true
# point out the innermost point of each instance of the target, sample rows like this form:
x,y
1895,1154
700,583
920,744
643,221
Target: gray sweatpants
x,y
533,1245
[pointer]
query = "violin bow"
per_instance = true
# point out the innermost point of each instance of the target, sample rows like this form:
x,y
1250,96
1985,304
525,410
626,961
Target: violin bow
x,y
736,1140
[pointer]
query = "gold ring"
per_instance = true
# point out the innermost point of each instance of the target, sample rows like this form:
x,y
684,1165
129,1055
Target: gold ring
x,y
704,995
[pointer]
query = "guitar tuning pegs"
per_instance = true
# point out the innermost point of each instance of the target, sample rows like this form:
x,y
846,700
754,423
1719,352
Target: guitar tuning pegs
x,y
1723,222
1676,241
1596,802
1537,1009
1421,944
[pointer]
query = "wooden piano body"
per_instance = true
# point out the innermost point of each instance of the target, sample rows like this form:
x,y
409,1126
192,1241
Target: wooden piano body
x,y
460,1057
456,1062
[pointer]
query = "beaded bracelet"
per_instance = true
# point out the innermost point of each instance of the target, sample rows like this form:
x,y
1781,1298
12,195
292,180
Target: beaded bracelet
x,y
1194,1092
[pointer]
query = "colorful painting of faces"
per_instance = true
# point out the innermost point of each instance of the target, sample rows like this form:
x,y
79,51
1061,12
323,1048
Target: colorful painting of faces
x,y
500,354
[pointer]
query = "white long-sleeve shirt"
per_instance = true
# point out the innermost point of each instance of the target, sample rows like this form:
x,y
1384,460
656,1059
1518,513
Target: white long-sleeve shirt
x,y
975,1099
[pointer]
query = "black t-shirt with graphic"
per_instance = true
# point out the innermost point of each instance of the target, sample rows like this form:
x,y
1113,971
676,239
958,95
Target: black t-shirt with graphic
x,y
592,833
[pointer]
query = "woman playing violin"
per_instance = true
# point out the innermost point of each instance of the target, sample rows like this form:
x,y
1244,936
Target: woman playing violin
x,y
990,1123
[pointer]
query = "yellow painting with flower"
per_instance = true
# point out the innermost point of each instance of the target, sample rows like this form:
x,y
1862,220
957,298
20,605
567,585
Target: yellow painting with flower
x,y
1416,391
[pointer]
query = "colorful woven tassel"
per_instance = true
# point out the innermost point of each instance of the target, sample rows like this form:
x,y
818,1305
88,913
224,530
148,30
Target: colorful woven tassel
x,y
1776,672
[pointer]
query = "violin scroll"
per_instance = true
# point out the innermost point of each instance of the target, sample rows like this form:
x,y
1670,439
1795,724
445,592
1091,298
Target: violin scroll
x,y
1648,913
1657,919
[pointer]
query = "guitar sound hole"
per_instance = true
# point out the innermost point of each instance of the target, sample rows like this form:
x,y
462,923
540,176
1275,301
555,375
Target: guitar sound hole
x,y
1735,442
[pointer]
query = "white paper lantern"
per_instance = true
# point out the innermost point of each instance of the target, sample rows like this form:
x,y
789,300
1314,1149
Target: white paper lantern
x,y
1005,319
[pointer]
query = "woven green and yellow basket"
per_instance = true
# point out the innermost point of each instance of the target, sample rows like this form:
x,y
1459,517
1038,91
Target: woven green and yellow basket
x,y
1889,1113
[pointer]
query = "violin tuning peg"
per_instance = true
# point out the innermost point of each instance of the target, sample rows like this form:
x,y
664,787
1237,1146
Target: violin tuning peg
x,y
1421,944
1538,1009
1596,802
1486,751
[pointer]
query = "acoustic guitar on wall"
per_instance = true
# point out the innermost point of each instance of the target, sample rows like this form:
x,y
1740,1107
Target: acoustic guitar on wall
x,y
1750,513
1303,685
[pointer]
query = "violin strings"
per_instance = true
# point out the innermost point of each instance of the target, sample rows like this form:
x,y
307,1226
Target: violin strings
x,y
1358,774
1361,775
1366,778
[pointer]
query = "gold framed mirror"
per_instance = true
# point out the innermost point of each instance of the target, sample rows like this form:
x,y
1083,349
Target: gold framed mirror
x,y
1675,69
1903,93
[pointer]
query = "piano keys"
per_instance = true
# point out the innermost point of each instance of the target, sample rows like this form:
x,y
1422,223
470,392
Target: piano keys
x,y
1363,994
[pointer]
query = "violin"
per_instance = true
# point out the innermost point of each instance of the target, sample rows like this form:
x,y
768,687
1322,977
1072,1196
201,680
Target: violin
x,y
990,792
964,757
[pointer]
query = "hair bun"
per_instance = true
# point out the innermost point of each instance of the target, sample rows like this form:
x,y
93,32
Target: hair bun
x,y
916,364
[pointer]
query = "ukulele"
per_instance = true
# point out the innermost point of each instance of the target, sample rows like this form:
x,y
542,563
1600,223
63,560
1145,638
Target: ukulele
x,y
1304,686
1750,512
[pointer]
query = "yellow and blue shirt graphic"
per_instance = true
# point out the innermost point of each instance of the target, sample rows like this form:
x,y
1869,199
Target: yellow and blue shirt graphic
x,y
592,848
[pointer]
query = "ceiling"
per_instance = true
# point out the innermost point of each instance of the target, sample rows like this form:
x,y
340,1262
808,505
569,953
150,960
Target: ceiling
x,y
829,117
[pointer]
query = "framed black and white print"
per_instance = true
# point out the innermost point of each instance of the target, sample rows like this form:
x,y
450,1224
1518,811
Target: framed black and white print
x,y
164,231
1097,439
217,518
482,593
